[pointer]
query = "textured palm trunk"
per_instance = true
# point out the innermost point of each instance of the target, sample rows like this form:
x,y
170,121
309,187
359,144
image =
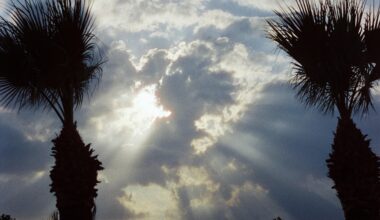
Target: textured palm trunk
x,y
354,168
74,175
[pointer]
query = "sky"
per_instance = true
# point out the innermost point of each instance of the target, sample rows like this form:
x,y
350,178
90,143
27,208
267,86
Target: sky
x,y
194,118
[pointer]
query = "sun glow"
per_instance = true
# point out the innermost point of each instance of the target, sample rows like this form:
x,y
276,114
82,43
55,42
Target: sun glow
x,y
146,110
131,118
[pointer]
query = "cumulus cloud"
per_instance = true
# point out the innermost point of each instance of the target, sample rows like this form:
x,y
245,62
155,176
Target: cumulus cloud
x,y
202,97
138,15
197,112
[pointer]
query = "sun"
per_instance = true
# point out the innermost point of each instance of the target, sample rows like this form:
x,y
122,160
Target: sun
x,y
146,109
131,119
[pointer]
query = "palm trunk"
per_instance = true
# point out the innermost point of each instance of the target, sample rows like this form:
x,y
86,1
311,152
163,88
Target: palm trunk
x,y
74,175
68,105
354,168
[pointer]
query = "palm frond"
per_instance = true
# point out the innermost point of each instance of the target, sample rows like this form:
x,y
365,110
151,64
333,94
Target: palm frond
x,y
330,47
18,72
74,27
44,47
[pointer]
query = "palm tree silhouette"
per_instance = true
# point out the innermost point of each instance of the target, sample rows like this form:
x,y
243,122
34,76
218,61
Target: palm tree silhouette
x,y
48,59
335,51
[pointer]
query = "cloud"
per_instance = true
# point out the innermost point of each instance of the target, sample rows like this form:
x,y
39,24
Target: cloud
x,y
189,84
27,197
24,164
287,159
150,202
21,153
137,15
206,84
266,5
193,119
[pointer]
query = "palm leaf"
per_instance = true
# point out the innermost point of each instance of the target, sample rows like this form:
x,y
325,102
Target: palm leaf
x,y
332,51
46,46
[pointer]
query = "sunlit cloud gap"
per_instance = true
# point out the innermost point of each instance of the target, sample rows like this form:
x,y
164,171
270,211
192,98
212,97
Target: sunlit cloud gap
x,y
132,120
145,110
133,116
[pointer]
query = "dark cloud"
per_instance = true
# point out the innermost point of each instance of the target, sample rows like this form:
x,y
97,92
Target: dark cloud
x,y
154,68
24,166
248,31
27,197
18,155
285,145
108,205
236,9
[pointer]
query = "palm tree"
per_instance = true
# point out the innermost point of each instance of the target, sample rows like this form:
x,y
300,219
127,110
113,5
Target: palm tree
x,y
48,59
335,54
